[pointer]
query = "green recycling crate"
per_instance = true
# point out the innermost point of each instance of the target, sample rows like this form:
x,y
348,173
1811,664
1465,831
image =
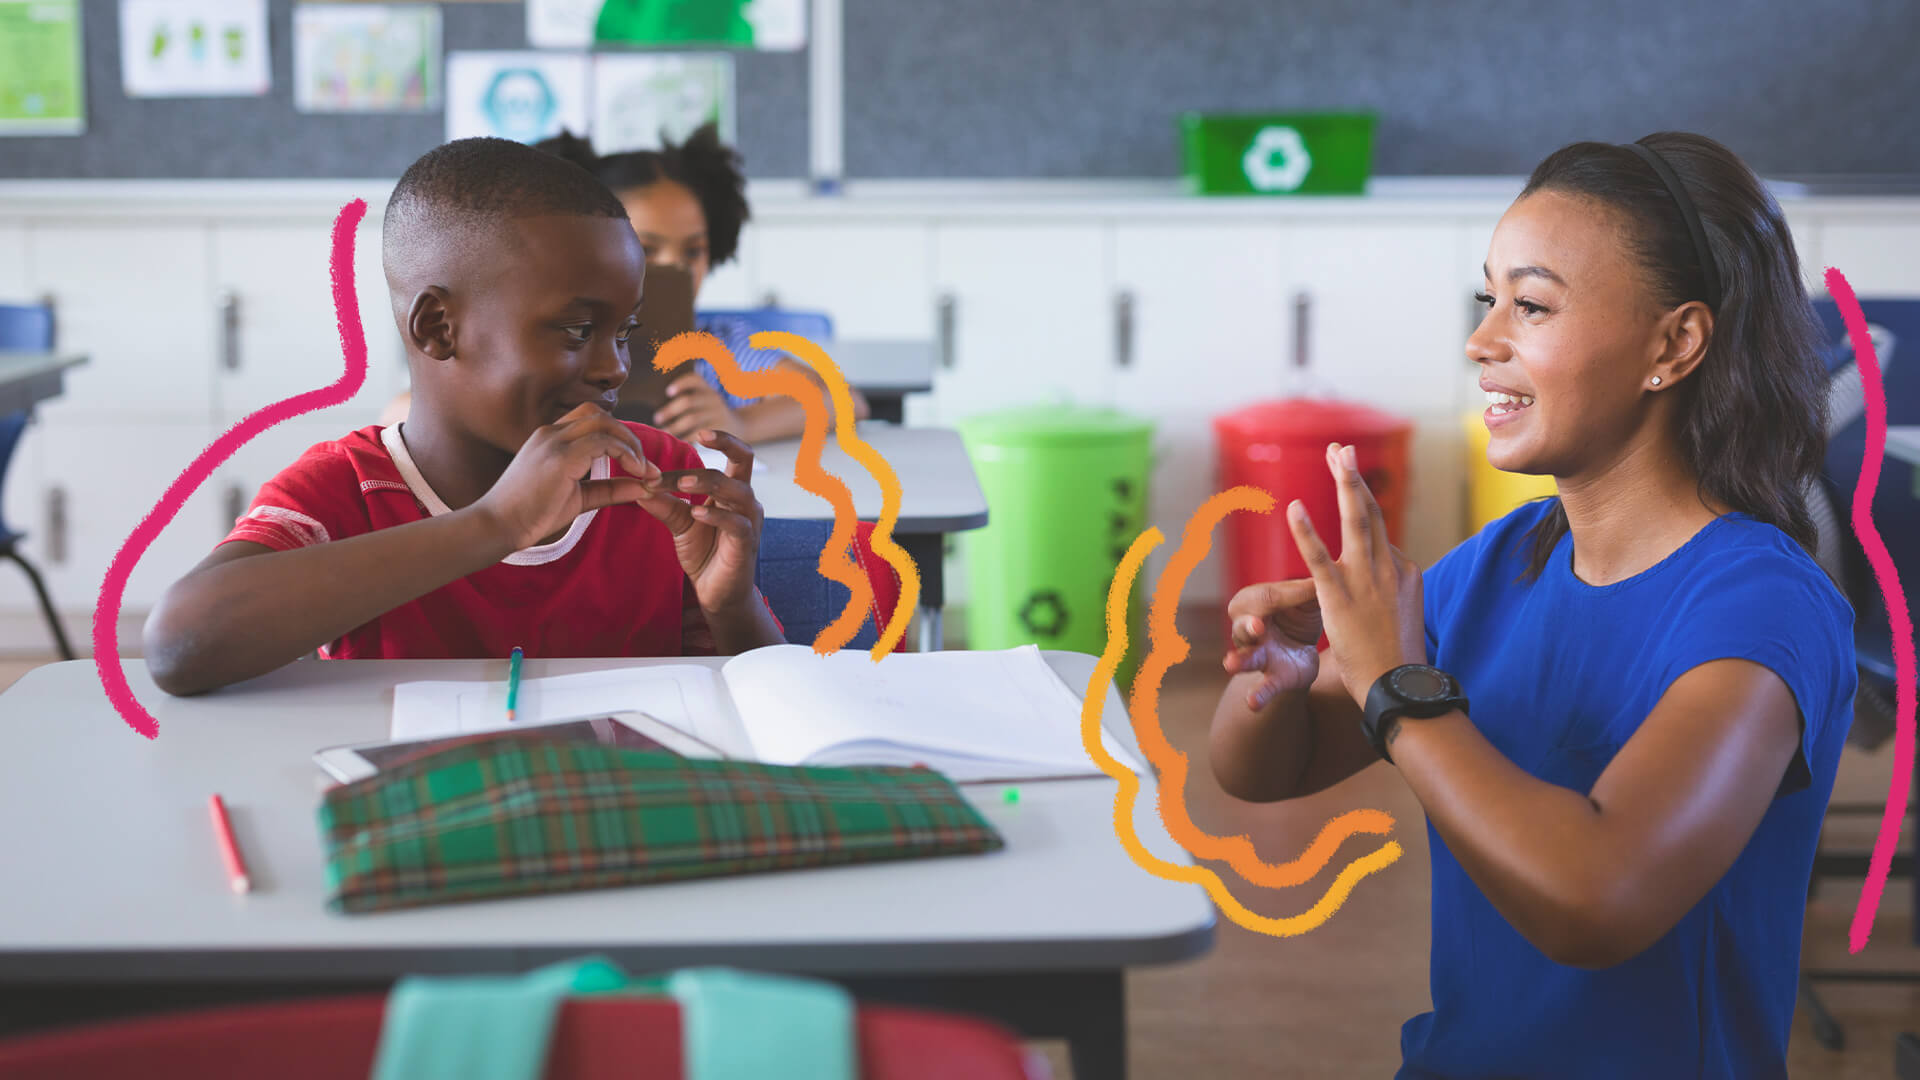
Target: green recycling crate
x,y
1067,488
1313,153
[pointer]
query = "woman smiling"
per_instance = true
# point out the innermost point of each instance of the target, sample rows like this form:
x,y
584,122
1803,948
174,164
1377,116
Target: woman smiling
x,y
1621,708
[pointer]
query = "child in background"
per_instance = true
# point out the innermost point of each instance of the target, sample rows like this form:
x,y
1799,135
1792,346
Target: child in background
x,y
511,509
687,203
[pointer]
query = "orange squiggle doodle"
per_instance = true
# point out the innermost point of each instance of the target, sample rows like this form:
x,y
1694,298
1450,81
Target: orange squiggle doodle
x,y
1090,711
836,559
882,540
1167,648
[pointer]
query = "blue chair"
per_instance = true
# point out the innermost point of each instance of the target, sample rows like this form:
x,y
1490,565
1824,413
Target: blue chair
x,y
815,326
788,575
1896,514
25,329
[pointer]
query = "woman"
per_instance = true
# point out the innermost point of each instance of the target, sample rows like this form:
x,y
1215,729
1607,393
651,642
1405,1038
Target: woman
x,y
687,203
1638,689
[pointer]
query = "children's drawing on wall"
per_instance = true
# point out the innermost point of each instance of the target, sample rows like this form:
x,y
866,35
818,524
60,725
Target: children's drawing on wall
x,y
637,98
42,70
194,48
366,57
770,25
523,96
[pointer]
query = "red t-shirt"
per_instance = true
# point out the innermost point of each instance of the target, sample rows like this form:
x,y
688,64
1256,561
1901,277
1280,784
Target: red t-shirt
x,y
612,586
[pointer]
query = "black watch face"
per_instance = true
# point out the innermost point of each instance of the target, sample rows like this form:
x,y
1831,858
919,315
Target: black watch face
x,y
1420,684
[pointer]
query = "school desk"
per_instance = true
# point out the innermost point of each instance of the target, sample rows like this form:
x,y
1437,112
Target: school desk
x,y
26,379
114,884
886,372
939,494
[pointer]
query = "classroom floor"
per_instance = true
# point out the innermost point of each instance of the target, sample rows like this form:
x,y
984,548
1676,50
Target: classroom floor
x,y
1329,1003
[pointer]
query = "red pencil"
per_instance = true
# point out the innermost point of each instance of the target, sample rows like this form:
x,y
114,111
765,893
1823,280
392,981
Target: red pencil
x,y
229,848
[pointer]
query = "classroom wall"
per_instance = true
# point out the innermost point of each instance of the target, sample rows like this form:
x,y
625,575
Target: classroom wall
x,y
1013,88
265,137
1017,89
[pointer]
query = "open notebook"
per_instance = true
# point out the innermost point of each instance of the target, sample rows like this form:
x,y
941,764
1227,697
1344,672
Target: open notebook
x,y
971,715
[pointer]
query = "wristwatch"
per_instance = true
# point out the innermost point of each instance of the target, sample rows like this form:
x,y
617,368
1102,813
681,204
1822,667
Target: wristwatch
x,y
1408,690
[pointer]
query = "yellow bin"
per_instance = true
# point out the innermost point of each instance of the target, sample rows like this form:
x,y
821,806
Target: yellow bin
x,y
1492,494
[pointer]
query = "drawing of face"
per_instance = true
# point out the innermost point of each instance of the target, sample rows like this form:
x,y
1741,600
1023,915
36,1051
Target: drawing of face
x,y
519,104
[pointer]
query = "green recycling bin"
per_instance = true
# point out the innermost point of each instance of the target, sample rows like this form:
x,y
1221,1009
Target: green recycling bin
x,y
1067,492
1319,153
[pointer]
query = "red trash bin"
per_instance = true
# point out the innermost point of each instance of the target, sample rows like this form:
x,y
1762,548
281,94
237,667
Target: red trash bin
x,y
1282,446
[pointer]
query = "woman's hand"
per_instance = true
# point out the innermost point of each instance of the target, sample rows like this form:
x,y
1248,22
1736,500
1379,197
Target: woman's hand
x,y
1369,599
718,542
1276,630
693,405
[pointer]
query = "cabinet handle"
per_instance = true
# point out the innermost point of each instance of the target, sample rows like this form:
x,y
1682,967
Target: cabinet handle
x,y
1302,312
52,305
769,299
947,317
57,526
1123,329
236,506
230,330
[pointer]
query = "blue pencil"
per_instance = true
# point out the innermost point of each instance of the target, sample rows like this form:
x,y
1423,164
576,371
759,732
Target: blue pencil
x,y
513,683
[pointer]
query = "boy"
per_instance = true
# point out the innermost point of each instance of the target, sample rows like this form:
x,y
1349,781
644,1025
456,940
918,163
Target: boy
x,y
511,508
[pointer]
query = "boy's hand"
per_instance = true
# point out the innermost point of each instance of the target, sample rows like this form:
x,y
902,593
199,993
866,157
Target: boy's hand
x,y
693,406
719,541
547,484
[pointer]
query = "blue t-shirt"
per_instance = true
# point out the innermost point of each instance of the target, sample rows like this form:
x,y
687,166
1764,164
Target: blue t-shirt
x,y
1559,674
737,335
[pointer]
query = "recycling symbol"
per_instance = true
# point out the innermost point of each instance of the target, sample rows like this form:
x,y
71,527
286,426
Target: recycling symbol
x,y
1044,614
1277,160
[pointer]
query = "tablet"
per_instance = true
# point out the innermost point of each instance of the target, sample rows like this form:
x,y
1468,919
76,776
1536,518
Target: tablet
x,y
628,730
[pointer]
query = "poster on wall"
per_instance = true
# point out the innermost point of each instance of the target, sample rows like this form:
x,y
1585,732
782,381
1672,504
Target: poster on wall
x,y
523,96
42,73
766,25
366,57
637,98
194,48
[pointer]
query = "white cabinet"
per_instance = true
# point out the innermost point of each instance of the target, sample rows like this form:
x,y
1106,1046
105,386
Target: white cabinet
x,y
1028,315
1879,259
1216,310
101,479
135,299
14,287
872,277
277,334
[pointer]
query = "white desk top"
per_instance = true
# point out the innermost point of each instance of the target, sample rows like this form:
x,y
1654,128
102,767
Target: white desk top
x,y
1904,443
900,366
111,870
939,492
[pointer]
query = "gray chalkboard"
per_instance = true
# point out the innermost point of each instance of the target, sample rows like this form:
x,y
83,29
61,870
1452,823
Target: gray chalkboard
x,y
267,137
1043,88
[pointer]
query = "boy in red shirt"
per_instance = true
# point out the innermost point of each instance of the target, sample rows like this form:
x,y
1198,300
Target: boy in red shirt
x,y
511,508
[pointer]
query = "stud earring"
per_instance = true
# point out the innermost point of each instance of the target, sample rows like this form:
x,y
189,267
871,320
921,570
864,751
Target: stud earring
x,y
1656,380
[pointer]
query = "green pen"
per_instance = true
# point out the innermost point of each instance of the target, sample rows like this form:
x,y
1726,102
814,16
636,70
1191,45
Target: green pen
x,y
513,683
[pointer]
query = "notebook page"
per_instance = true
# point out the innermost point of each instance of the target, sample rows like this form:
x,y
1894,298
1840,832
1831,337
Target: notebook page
x,y
684,696
1003,706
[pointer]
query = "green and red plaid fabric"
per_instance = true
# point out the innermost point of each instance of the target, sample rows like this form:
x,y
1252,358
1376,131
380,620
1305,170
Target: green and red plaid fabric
x,y
511,815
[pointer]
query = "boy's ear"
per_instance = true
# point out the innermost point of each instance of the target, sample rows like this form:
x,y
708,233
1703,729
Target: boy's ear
x,y
430,323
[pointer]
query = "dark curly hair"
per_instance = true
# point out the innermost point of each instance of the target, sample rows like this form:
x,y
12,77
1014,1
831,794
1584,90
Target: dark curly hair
x,y
1753,417
703,165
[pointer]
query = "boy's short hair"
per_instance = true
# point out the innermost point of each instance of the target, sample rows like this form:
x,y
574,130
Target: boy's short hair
x,y
469,184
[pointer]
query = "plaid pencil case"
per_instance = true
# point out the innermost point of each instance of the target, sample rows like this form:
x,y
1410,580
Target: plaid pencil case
x,y
509,816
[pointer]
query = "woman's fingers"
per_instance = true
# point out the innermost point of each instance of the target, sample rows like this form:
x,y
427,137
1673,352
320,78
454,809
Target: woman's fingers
x,y
1319,563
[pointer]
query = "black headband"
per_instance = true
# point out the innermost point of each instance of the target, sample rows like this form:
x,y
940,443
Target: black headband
x,y
1708,271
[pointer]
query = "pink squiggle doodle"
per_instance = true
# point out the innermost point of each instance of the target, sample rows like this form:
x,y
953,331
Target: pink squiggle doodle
x,y
353,346
1898,789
